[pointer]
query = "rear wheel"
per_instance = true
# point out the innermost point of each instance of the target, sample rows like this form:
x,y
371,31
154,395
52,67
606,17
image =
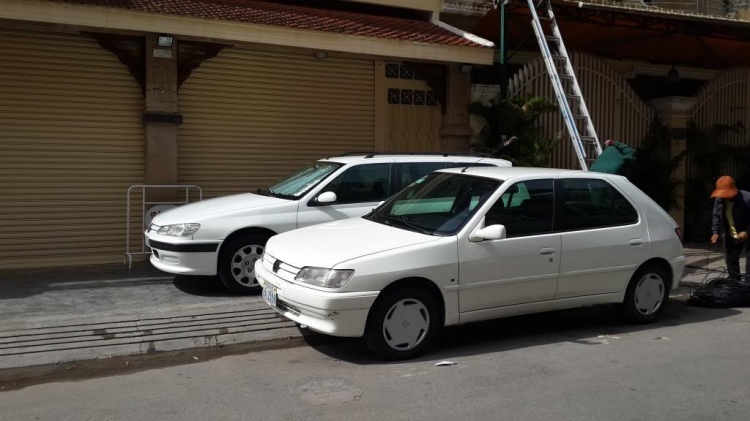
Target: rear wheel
x,y
402,324
647,294
237,263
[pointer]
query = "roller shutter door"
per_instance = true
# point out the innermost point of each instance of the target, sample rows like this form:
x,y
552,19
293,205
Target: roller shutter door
x,y
251,116
70,144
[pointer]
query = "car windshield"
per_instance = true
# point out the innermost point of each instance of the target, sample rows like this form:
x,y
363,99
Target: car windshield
x,y
437,204
299,183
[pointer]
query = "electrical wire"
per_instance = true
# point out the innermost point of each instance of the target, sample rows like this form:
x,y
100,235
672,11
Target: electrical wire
x,y
719,288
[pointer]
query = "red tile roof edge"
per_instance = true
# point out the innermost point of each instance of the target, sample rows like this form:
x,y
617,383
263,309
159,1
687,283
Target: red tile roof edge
x,y
288,14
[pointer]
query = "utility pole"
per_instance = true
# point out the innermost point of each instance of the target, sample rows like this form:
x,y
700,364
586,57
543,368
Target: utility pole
x,y
502,6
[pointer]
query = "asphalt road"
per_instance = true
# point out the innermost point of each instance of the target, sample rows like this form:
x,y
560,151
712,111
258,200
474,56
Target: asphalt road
x,y
573,365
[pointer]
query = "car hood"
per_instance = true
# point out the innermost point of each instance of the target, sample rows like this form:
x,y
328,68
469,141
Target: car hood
x,y
198,211
329,244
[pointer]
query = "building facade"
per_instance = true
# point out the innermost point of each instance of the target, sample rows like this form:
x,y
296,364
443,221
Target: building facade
x,y
681,62
100,95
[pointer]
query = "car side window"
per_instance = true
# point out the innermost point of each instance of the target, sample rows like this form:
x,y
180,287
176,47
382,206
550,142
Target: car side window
x,y
526,208
592,203
361,184
410,172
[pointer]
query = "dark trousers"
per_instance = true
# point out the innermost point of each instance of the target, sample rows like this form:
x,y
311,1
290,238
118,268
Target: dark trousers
x,y
734,251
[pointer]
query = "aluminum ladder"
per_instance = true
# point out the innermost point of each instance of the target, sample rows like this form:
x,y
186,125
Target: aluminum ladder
x,y
564,82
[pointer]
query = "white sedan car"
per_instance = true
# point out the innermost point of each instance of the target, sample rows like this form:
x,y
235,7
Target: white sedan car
x,y
460,246
226,235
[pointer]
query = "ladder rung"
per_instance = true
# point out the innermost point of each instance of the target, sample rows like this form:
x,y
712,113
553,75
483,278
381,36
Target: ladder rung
x,y
580,117
547,18
552,38
559,57
567,77
574,97
589,138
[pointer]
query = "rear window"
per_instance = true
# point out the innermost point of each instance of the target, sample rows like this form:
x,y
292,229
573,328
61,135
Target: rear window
x,y
592,203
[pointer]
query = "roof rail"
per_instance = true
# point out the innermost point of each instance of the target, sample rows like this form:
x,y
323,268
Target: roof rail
x,y
444,154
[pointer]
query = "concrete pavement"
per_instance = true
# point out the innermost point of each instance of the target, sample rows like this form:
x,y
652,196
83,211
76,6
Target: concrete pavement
x,y
580,364
70,314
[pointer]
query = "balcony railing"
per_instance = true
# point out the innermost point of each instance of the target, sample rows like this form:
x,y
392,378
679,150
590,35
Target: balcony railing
x,y
725,8
709,7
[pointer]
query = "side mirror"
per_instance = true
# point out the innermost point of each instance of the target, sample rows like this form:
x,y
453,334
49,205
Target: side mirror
x,y
327,198
493,232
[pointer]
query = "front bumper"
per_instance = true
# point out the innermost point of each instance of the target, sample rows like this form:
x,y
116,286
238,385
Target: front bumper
x,y
332,313
183,258
678,268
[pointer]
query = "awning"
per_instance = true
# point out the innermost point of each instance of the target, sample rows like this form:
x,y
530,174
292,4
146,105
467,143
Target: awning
x,y
319,24
621,32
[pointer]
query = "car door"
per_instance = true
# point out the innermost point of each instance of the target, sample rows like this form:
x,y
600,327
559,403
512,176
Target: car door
x,y
521,268
604,238
358,190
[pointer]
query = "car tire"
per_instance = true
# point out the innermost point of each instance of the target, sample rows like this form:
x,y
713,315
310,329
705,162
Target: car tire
x,y
237,263
402,324
647,295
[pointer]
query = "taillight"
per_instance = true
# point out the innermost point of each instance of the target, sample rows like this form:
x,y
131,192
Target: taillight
x,y
678,231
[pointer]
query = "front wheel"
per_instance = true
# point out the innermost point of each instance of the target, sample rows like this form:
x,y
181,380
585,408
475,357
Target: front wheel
x,y
647,295
402,324
237,263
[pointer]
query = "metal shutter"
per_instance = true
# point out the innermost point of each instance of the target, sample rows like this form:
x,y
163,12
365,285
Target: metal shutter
x,y
251,116
71,143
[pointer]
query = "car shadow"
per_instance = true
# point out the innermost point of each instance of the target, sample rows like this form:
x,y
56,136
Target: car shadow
x,y
581,326
203,286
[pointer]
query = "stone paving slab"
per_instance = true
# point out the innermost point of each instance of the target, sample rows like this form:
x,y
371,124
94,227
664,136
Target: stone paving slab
x,y
704,262
60,315
49,343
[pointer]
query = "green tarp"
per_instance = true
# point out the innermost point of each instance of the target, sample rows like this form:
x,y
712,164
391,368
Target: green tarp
x,y
615,159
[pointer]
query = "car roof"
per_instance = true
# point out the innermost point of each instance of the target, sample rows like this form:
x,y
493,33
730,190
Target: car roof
x,y
507,173
373,158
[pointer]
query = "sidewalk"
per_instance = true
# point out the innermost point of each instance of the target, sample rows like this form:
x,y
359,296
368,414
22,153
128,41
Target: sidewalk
x,y
59,315
701,258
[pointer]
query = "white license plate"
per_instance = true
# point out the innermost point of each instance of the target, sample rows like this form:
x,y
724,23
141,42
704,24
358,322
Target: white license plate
x,y
269,294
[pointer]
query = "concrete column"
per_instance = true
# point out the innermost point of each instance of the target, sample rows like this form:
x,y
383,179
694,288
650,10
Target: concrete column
x,y
674,111
743,12
160,117
456,130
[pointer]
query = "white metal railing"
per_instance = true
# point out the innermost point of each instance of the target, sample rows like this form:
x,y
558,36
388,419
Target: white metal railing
x,y
128,253
724,8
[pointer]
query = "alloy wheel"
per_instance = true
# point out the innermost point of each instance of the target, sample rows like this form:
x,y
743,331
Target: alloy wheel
x,y
243,264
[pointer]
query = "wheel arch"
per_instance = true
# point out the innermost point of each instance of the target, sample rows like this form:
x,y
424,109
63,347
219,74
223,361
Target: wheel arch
x,y
241,232
662,263
418,282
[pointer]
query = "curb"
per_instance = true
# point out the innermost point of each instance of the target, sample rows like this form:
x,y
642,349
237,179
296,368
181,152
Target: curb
x,y
25,343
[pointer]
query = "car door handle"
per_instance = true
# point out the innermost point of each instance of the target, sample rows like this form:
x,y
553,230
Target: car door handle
x,y
635,242
547,251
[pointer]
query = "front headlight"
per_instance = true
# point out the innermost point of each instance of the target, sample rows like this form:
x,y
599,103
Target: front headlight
x,y
322,277
179,230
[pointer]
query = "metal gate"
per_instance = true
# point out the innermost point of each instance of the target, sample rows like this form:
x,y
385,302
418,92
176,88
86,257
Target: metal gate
x,y
615,108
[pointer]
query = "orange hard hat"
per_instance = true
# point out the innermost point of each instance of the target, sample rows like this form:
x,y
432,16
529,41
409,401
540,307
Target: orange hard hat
x,y
725,188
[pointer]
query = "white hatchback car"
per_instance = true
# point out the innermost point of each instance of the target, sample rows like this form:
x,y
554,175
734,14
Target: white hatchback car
x,y
226,235
464,245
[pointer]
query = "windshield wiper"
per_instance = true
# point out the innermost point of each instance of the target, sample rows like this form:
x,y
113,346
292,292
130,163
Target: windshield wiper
x,y
270,193
404,221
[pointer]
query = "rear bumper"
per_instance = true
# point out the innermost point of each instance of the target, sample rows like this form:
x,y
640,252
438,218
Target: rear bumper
x,y
332,313
678,268
184,258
